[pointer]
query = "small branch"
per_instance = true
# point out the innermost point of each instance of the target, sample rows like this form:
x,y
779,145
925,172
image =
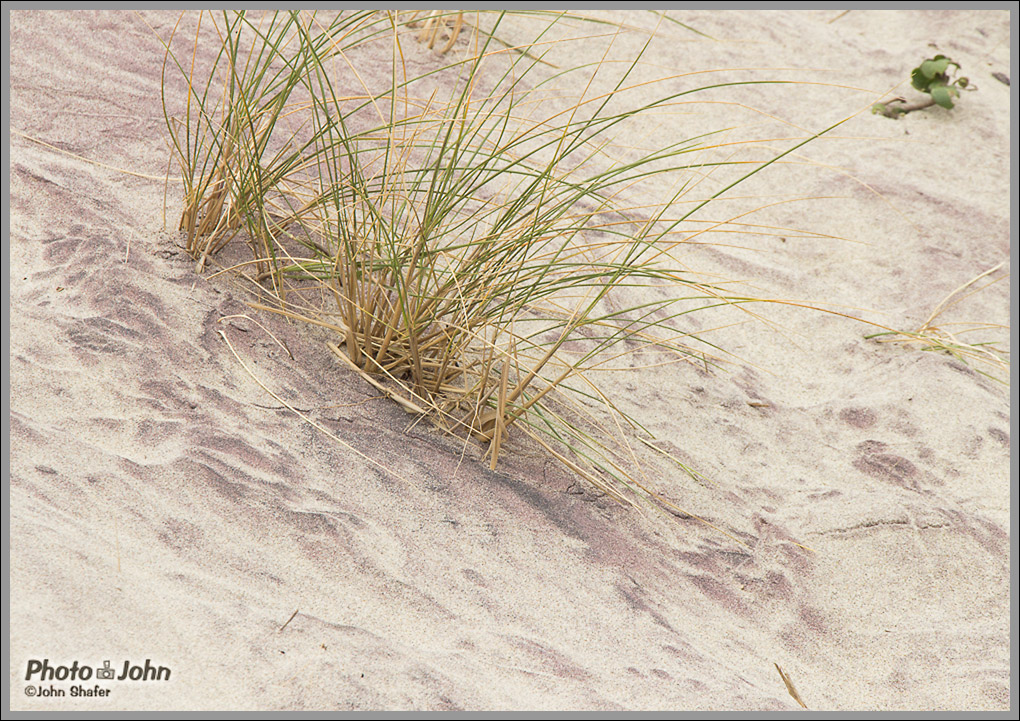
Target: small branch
x,y
889,111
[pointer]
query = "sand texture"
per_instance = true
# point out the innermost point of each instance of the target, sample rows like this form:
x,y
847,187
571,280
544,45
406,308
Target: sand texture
x,y
164,506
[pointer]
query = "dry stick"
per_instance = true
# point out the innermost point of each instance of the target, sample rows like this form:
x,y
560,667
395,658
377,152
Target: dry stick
x,y
893,112
305,418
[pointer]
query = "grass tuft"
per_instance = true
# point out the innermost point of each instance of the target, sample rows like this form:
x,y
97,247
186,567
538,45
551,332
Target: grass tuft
x,y
464,230
987,357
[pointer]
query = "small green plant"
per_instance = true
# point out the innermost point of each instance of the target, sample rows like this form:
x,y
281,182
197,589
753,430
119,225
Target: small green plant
x,y
932,78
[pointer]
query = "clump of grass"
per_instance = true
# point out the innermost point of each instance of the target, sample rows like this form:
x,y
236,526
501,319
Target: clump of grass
x,y
936,336
467,246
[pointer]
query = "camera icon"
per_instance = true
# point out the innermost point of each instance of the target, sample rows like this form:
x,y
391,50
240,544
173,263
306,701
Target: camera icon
x,y
106,672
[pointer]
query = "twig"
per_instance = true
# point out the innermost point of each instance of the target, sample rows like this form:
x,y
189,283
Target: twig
x,y
289,620
894,112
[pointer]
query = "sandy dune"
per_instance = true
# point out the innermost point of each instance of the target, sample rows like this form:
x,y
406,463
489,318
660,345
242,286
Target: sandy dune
x,y
163,506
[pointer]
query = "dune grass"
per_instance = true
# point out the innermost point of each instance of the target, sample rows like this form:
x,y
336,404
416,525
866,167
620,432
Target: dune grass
x,y
464,230
986,357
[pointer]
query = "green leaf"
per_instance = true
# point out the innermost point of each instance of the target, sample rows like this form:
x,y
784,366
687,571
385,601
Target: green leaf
x,y
918,80
933,68
943,96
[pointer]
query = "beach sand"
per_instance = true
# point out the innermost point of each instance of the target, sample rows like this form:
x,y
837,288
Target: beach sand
x,y
165,507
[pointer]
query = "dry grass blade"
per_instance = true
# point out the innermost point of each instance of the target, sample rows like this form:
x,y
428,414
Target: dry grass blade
x,y
433,23
789,686
933,336
287,622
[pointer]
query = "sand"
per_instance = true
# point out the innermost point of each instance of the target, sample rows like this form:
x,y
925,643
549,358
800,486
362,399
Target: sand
x,y
164,507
